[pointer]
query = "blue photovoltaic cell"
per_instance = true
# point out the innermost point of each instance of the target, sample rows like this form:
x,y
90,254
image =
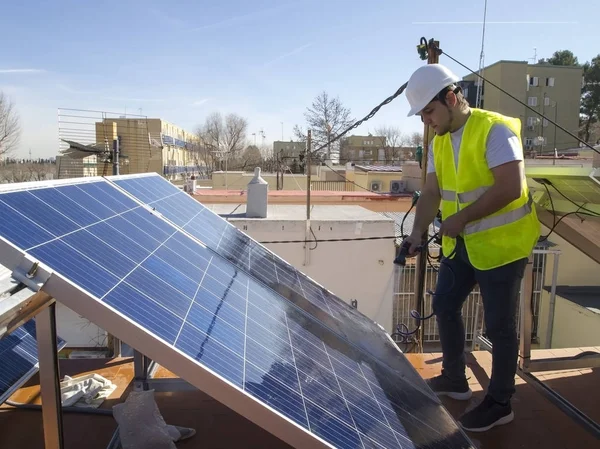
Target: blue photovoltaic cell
x,y
231,243
18,357
201,304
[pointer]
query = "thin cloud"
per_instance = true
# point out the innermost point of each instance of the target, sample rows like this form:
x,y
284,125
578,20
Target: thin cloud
x,y
199,102
22,71
288,54
509,22
239,19
166,18
108,97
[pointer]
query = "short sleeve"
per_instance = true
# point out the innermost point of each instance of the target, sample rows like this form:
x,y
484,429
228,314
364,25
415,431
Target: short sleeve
x,y
503,146
430,159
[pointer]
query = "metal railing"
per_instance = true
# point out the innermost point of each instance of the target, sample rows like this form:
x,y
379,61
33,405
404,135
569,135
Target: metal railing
x,y
335,186
472,310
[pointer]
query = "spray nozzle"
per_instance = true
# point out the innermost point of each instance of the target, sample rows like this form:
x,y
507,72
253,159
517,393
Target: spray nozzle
x,y
403,253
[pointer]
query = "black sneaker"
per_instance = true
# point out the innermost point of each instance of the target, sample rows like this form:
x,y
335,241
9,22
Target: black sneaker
x,y
444,386
486,415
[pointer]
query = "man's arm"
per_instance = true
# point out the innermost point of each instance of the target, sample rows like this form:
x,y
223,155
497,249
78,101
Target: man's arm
x,y
508,179
427,206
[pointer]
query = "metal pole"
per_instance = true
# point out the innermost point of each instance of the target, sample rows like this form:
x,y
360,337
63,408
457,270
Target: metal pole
x,y
526,317
552,304
555,114
308,169
433,58
116,156
45,325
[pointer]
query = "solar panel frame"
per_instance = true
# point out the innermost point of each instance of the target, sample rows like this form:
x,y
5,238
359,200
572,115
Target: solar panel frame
x,y
213,383
350,323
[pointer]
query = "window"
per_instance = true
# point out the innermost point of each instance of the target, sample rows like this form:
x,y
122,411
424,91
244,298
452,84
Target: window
x,y
531,121
550,82
547,101
534,81
528,142
532,101
545,122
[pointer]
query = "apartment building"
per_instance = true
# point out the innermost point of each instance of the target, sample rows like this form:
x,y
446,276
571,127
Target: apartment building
x,y
363,149
554,91
151,145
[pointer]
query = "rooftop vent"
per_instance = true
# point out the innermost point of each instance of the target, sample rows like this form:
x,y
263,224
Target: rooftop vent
x,y
258,192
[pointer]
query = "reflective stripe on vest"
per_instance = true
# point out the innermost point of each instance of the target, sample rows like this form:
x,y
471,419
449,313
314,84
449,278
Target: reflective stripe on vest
x,y
500,220
466,197
448,195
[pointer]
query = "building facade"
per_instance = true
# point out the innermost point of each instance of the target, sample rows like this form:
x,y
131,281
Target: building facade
x,y
151,145
554,91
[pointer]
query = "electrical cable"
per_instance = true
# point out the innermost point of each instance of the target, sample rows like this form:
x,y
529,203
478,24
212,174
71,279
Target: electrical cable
x,y
364,119
441,52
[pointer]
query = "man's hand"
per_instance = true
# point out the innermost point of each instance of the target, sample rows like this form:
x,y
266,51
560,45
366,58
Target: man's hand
x,y
453,225
413,241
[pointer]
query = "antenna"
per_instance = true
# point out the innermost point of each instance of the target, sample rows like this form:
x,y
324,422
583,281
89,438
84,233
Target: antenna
x,y
481,60
534,55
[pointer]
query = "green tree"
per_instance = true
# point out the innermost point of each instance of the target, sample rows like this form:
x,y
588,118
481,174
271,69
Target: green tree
x,y
590,96
561,57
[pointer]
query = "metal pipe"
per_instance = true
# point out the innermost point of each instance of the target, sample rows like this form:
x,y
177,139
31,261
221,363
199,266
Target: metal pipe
x,y
552,304
526,316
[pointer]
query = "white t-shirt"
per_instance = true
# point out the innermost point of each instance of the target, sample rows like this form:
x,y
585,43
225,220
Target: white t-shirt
x,y
502,146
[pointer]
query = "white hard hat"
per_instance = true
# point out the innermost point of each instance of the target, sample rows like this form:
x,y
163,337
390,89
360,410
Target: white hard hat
x,y
425,83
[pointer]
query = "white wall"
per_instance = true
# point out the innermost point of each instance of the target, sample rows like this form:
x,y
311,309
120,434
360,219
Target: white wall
x,y
76,330
359,270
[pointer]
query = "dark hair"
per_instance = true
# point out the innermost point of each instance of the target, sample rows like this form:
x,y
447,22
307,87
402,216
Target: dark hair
x,y
441,96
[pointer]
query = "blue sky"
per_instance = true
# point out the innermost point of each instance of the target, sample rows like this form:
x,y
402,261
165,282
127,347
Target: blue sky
x,y
263,59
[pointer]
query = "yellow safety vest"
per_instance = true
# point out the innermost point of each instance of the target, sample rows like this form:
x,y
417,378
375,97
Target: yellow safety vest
x,y
507,235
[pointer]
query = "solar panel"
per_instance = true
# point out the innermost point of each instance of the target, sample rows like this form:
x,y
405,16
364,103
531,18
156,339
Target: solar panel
x,y
569,188
19,358
238,248
177,301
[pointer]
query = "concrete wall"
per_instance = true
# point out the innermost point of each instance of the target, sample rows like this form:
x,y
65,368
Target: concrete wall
x,y
571,322
77,331
574,326
359,270
237,180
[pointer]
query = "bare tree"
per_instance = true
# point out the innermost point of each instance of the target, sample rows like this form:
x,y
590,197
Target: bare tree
x,y
415,139
222,138
390,139
10,128
327,117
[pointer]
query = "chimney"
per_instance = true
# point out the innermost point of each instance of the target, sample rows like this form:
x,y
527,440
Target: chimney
x,y
258,192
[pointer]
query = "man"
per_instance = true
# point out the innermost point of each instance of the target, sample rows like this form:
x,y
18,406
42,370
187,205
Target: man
x,y
489,227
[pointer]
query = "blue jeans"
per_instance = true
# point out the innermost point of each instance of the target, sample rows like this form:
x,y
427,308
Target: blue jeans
x,y
499,289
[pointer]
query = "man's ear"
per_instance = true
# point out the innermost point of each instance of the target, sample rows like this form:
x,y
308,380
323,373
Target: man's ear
x,y
451,99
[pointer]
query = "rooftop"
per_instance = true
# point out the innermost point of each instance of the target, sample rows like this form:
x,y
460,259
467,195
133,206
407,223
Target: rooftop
x,y
297,212
538,423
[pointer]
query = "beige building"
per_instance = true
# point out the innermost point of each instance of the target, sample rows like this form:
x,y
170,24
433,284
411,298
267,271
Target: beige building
x,y
285,149
362,149
150,145
554,91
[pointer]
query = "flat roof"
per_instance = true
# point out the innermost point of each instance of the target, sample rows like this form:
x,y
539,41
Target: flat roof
x,y
297,212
